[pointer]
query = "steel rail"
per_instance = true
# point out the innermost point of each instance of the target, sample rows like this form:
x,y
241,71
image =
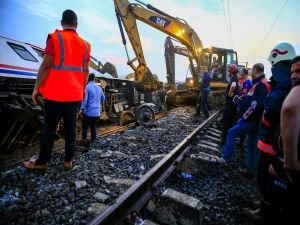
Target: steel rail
x,y
141,191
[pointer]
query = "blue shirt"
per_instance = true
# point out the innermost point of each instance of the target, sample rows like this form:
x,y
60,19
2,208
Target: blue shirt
x,y
205,85
93,99
246,86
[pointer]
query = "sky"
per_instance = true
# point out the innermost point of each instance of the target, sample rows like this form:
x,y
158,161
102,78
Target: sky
x,y
253,28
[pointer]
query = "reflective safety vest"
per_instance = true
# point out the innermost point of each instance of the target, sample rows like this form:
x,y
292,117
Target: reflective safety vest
x,y
264,81
66,79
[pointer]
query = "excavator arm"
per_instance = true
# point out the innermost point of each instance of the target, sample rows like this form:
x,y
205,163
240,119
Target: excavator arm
x,y
170,50
106,68
177,28
170,62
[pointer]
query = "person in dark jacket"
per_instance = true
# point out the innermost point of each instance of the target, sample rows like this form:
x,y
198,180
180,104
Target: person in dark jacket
x,y
204,92
230,110
287,163
251,109
272,190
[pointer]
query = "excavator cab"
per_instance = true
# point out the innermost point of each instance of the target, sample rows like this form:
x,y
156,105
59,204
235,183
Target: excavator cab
x,y
215,61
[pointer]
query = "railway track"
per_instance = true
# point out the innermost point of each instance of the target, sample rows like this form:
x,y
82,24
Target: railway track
x,y
142,191
115,179
60,145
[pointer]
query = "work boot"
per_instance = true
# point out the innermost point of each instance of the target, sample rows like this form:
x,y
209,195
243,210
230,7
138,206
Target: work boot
x,y
253,215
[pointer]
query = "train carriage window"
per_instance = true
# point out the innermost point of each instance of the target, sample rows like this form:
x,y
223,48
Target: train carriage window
x,y
39,52
22,52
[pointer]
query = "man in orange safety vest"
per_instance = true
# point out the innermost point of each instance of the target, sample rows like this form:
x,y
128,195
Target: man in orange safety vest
x,y
61,80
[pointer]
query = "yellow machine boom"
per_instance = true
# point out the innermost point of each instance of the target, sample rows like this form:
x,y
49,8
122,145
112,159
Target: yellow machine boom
x,y
175,27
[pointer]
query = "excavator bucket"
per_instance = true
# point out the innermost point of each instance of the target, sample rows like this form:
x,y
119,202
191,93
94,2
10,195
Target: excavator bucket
x,y
148,83
110,69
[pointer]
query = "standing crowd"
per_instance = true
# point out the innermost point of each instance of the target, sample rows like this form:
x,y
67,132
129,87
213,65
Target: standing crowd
x,y
267,113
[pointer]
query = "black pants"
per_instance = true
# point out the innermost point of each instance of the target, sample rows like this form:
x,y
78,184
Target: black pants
x,y
263,175
89,122
54,111
292,209
228,120
272,192
273,201
202,103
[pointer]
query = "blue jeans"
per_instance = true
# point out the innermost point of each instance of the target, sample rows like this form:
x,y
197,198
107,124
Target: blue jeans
x,y
243,129
202,103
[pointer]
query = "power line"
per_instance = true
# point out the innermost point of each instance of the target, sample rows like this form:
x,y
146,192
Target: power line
x,y
271,28
230,31
226,21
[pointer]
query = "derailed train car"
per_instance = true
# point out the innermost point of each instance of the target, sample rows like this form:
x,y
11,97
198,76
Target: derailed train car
x,y
21,120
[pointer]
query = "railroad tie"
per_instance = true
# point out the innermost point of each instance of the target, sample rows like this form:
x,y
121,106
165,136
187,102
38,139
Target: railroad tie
x,y
208,157
212,138
214,134
205,142
210,148
215,130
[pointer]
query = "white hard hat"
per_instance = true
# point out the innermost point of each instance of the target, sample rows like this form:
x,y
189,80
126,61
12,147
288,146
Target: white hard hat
x,y
281,52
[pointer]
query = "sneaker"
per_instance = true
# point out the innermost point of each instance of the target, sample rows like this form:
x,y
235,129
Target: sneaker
x,y
68,165
32,165
253,215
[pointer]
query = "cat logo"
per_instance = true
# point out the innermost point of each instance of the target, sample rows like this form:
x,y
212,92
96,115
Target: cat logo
x,y
163,22
160,21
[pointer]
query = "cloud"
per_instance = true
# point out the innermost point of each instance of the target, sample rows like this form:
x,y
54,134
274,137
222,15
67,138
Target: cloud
x,y
45,9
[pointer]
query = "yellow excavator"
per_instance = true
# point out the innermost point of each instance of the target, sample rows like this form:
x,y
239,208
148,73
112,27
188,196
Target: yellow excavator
x,y
127,14
211,58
